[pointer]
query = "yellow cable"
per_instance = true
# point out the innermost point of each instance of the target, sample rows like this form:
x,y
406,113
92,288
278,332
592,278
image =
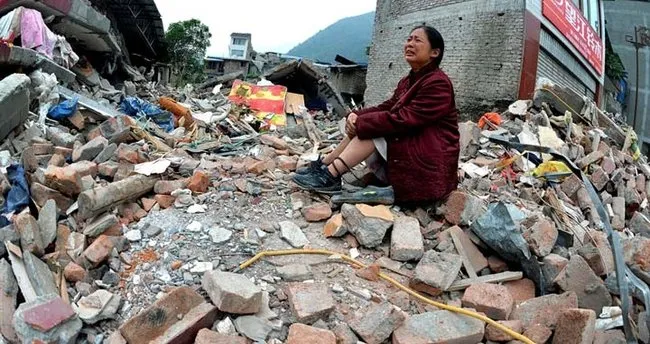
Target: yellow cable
x,y
390,280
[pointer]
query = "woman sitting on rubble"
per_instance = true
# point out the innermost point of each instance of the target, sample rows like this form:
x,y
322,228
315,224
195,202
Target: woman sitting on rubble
x,y
413,135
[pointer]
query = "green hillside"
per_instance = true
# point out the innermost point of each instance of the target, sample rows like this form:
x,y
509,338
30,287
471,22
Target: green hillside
x,y
348,37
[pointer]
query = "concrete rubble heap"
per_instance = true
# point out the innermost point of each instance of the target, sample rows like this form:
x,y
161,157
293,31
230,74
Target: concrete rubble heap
x,y
119,231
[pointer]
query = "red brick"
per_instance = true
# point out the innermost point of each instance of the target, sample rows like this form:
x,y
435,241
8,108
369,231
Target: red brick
x,y
462,208
544,309
577,276
287,163
166,187
608,165
541,237
130,154
99,250
302,334
30,234
206,336
575,326
274,141
590,159
571,185
637,251
41,193
496,335
599,178
199,182
317,212
66,152
257,167
497,265
521,290
147,203
609,337
492,299
164,201
74,273
177,317
310,302
42,148
65,180
131,212
48,315
57,160
85,168
538,333
108,169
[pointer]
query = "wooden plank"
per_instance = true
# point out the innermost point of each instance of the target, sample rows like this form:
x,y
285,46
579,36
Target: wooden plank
x,y
495,278
20,272
461,250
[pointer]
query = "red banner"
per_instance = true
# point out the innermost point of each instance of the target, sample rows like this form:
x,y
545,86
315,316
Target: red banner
x,y
567,18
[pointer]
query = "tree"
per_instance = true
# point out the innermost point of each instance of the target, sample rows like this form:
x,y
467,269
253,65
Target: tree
x,y
187,42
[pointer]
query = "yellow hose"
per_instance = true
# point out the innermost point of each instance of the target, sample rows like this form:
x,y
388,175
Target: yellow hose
x,y
408,290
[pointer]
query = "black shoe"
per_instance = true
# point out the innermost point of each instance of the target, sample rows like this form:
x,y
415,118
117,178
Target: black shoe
x,y
369,195
313,165
319,180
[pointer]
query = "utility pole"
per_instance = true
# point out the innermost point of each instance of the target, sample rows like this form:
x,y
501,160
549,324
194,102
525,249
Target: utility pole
x,y
641,39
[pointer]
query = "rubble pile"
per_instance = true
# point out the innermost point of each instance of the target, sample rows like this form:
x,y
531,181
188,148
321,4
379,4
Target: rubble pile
x,y
127,214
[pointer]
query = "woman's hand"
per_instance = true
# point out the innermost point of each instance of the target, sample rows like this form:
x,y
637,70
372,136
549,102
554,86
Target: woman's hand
x,y
351,125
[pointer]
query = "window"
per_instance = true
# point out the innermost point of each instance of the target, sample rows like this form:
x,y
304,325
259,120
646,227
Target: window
x,y
237,53
238,41
591,9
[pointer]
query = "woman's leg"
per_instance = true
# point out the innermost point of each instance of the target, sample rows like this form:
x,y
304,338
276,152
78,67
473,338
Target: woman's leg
x,y
355,152
337,151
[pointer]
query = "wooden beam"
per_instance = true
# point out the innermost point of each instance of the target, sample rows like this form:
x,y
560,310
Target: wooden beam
x,y
495,278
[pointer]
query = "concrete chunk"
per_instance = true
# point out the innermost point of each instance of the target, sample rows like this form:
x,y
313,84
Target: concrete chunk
x,y
232,293
462,208
406,240
30,234
377,323
368,230
47,319
90,150
47,222
439,327
14,101
310,301
436,272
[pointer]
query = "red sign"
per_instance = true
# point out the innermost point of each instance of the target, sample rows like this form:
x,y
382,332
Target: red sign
x,y
572,24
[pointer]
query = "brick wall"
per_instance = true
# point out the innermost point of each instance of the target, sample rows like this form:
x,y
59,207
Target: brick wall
x,y
483,48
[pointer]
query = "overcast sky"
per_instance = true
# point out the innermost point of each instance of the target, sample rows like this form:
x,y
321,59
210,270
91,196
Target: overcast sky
x,y
276,25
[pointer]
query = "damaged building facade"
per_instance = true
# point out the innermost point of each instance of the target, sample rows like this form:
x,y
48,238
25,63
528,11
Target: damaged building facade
x,y
496,51
109,37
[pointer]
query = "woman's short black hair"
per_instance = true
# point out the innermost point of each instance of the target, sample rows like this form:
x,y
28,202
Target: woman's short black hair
x,y
435,39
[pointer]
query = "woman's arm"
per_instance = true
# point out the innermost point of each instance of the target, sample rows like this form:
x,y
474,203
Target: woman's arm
x,y
433,100
385,106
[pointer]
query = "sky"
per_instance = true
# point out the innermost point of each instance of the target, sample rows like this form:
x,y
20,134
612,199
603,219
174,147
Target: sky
x,y
275,25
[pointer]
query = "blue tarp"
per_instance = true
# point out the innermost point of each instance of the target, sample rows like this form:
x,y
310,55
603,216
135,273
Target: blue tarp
x,y
138,108
18,196
64,109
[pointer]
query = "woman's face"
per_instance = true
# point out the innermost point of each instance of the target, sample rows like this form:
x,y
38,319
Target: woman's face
x,y
417,50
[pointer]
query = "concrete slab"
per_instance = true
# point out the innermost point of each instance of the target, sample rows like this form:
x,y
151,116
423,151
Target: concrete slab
x,y
31,59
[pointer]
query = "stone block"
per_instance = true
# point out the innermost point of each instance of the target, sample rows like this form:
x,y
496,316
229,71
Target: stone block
x,y
436,272
232,293
14,100
310,301
492,299
377,323
575,326
406,240
439,327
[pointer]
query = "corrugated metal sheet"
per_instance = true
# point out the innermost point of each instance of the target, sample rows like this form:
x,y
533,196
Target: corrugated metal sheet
x,y
566,59
549,67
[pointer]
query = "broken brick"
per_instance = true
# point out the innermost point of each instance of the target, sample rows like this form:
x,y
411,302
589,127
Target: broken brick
x,y
521,290
74,272
130,154
575,326
166,187
497,265
274,141
41,194
538,333
578,277
497,335
63,179
462,208
199,182
334,227
164,201
300,333
147,204
107,169
317,212
492,299
378,322
30,234
544,309
99,250
406,240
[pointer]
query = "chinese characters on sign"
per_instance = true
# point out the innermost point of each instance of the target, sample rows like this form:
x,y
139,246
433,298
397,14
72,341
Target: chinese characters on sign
x,y
567,18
